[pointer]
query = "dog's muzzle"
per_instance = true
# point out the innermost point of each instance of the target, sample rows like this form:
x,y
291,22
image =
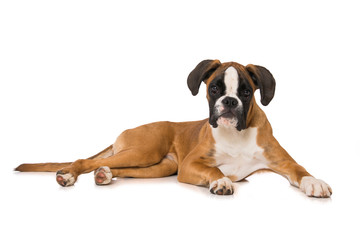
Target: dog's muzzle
x,y
230,108
229,114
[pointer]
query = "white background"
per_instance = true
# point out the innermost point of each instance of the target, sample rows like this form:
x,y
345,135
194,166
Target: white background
x,y
75,74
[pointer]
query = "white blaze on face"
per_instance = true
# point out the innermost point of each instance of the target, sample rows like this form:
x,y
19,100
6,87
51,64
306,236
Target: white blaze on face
x,y
231,81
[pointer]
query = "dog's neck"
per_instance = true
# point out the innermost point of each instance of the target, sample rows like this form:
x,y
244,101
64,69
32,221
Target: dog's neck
x,y
231,136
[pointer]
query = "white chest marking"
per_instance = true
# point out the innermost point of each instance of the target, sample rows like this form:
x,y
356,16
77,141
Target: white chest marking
x,y
236,153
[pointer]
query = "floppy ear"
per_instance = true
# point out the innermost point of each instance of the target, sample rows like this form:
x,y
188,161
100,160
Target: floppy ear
x,y
201,73
264,81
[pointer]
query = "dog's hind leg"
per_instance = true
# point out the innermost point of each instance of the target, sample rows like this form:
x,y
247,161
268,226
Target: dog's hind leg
x,y
143,146
166,167
127,158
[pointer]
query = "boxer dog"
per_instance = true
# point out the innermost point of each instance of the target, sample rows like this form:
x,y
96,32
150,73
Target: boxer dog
x,y
232,144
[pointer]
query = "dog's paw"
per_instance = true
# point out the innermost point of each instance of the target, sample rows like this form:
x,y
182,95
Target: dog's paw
x,y
313,187
65,179
222,186
103,176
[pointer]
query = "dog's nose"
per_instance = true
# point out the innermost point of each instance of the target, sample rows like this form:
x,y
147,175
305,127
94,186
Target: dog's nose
x,y
230,102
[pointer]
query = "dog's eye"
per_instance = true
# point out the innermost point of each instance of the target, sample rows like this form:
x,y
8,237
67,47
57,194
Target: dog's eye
x,y
214,90
246,93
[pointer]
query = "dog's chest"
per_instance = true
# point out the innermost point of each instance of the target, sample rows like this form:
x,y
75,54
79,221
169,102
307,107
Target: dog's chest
x,y
236,153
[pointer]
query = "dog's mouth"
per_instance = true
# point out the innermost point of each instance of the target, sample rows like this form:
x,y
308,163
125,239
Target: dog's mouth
x,y
228,118
228,114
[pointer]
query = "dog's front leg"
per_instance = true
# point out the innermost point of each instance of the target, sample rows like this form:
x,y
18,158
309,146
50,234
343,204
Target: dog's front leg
x,y
282,163
196,171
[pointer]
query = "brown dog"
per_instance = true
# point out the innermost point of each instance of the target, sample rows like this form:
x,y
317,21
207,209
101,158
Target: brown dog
x,y
233,143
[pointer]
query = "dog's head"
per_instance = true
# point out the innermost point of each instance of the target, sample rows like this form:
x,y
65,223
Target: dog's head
x,y
230,90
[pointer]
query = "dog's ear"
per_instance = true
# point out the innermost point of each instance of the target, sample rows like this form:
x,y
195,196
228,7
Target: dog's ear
x,y
264,81
200,74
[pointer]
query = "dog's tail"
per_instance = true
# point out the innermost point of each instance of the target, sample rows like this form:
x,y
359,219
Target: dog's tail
x,y
41,167
53,167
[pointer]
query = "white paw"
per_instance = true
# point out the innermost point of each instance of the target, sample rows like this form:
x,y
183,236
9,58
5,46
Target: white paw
x,y
222,186
313,187
103,176
65,179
